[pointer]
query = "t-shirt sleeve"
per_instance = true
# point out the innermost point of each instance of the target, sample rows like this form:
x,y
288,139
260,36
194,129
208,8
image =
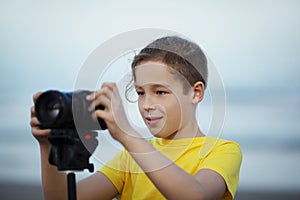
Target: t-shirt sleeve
x,y
115,170
225,159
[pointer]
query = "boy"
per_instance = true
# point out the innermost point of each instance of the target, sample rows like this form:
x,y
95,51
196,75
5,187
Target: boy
x,y
169,76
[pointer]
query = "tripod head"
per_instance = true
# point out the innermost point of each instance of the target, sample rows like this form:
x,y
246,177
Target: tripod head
x,y
71,149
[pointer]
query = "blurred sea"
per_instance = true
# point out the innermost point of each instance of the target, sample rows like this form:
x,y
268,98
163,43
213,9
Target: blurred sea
x,y
267,129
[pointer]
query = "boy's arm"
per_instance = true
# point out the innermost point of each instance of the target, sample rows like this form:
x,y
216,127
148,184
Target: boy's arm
x,y
54,183
96,186
172,181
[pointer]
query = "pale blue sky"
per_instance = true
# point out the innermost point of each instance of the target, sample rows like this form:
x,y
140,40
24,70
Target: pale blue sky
x,y
43,44
253,43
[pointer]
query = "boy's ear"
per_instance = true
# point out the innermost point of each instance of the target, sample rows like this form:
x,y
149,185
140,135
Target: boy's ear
x,y
198,89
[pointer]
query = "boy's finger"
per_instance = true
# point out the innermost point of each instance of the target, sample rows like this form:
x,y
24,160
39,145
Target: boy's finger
x,y
34,122
32,112
36,96
91,96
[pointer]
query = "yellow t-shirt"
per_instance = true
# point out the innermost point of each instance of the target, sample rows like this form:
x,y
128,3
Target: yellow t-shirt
x,y
191,154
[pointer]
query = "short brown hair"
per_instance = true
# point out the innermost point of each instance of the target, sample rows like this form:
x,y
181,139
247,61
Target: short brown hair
x,y
184,56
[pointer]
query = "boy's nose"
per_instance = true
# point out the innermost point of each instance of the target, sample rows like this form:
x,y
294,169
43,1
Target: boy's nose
x,y
147,104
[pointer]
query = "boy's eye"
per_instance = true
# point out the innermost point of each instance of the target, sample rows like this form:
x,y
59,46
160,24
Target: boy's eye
x,y
160,92
140,93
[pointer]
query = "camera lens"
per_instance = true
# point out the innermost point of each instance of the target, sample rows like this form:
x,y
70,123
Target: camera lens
x,y
53,109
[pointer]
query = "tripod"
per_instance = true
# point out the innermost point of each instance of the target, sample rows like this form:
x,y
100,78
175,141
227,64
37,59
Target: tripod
x,y
71,179
70,151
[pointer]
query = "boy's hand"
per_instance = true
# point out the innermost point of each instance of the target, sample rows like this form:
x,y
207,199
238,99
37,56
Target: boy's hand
x,y
39,134
113,114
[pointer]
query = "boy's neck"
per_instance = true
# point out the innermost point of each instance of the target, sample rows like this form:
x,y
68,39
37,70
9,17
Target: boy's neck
x,y
192,133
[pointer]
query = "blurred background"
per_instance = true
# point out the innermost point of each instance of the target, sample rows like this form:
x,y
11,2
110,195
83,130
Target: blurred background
x,y
255,46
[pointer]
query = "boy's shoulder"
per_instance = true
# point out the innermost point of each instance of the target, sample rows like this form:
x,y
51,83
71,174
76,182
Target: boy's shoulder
x,y
220,146
221,143
206,142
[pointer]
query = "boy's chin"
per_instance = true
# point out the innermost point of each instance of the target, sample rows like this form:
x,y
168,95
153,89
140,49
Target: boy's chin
x,y
157,134
160,134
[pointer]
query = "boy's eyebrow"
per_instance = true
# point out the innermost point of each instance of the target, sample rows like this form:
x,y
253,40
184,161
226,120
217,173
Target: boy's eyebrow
x,y
154,85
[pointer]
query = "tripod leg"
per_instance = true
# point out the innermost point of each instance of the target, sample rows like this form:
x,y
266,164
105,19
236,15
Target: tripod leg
x,y
71,186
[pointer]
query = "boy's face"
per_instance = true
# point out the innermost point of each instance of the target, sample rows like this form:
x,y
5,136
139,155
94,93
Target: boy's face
x,y
164,107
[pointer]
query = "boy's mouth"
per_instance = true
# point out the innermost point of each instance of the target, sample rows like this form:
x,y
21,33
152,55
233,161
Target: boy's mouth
x,y
152,120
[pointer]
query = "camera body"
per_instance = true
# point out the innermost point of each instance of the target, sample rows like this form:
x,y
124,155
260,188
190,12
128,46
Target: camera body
x,y
72,135
56,110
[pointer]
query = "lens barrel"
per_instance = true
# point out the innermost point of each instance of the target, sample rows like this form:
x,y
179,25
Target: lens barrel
x,y
57,110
